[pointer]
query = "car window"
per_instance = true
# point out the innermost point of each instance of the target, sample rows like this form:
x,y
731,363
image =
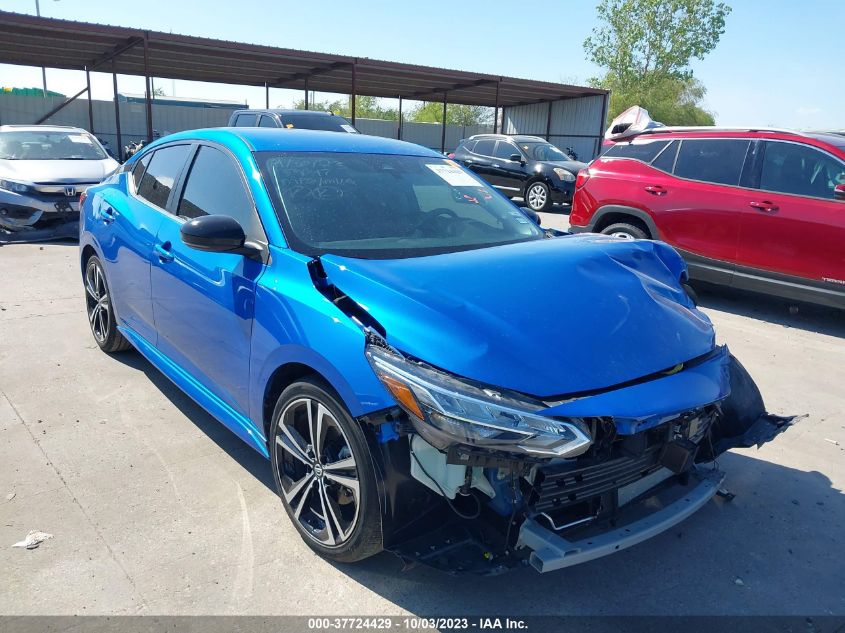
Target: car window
x,y
505,150
665,160
468,146
267,121
712,160
642,150
49,145
245,120
544,151
378,206
139,169
800,170
316,121
165,167
484,147
215,187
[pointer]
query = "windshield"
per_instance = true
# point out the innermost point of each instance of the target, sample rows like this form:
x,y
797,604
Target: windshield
x,y
544,151
37,145
331,123
376,206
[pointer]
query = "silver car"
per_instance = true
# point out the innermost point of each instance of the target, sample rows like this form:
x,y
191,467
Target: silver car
x,y
43,169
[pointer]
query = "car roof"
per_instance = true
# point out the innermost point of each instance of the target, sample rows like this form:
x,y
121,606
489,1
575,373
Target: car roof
x,y
828,138
286,111
300,140
41,128
519,138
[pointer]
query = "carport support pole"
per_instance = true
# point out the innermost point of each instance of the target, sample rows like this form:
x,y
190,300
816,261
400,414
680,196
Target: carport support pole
x,y
119,149
90,102
496,110
147,95
306,93
549,122
399,132
354,90
443,128
266,95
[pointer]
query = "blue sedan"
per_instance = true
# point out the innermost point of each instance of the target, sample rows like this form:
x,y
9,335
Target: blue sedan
x,y
426,369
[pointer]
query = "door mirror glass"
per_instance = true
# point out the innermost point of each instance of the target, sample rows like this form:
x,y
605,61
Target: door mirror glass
x,y
839,192
517,158
214,233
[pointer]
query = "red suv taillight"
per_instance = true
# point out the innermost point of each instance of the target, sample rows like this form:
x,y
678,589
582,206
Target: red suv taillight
x,y
582,178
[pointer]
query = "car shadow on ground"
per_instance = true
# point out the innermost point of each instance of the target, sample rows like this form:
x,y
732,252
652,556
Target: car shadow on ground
x,y
790,314
747,549
249,459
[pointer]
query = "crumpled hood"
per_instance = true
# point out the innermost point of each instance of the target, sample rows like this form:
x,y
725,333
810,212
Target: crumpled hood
x,y
548,317
573,166
58,171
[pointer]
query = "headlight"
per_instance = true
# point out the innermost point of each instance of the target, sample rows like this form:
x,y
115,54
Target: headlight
x,y
447,410
12,185
565,176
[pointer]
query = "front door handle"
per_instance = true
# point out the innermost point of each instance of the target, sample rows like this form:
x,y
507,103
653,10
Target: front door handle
x,y
764,206
164,253
109,214
657,190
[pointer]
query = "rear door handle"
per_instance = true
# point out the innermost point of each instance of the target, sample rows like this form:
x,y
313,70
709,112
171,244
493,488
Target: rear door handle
x,y
657,190
765,206
164,253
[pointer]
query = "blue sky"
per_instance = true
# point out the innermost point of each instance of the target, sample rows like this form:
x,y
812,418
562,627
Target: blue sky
x,y
778,63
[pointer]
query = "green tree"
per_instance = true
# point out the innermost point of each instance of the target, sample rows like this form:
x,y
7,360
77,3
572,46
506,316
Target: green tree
x,y
456,113
646,47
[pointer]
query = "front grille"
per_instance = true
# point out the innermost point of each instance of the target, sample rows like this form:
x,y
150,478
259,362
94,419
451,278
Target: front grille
x,y
568,484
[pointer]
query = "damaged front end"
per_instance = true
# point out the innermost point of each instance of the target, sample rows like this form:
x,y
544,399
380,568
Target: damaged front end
x,y
554,484
32,212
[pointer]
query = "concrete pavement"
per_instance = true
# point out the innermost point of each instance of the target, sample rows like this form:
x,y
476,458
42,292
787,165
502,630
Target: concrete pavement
x,y
156,508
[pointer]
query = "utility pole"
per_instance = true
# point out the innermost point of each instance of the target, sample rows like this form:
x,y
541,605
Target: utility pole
x,y
43,70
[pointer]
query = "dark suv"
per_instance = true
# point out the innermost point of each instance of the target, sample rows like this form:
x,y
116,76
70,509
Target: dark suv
x,y
291,119
756,209
521,166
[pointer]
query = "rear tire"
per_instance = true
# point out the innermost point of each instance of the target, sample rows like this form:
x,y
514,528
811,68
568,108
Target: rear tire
x,y
625,231
99,309
324,473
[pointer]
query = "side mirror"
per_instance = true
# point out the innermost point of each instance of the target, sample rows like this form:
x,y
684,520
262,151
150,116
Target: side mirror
x,y
839,192
517,158
532,214
217,234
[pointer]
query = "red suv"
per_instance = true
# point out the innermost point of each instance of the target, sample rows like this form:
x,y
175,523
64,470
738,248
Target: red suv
x,y
762,210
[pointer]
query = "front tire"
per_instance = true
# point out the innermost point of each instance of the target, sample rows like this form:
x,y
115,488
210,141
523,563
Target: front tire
x,y
100,311
537,197
324,473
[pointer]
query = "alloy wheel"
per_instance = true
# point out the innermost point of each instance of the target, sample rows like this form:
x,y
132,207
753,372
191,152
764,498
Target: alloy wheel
x,y
97,301
318,472
622,235
537,196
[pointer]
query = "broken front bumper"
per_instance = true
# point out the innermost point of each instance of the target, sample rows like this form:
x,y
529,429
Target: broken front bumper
x,y
47,214
24,211
550,551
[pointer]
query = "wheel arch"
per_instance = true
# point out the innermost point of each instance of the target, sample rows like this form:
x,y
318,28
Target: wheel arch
x,y
612,214
281,378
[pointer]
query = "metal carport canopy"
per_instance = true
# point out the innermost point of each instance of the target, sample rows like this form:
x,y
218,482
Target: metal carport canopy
x,y
33,41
